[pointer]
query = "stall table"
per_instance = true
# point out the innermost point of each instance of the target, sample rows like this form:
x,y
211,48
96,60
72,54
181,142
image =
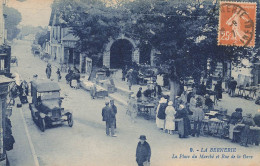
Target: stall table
x,y
217,127
204,131
146,110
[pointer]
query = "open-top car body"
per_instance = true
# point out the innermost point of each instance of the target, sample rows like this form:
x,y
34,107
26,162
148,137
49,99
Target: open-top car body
x,y
46,107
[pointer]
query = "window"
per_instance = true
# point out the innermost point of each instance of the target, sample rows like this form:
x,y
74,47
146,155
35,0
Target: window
x,y
2,64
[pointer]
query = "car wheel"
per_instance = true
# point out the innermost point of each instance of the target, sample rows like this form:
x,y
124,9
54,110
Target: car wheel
x,y
70,120
33,118
42,124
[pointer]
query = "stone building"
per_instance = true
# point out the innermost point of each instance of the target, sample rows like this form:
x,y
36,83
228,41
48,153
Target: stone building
x,y
62,42
124,50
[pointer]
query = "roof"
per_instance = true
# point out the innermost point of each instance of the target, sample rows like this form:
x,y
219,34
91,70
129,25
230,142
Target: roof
x,y
51,17
4,79
70,37
45,85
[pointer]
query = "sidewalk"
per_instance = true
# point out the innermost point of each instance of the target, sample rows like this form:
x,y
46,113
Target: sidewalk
x,y
21,154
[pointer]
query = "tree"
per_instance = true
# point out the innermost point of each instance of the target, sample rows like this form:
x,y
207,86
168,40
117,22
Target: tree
x,y
92,21
185,34
13,18
42,37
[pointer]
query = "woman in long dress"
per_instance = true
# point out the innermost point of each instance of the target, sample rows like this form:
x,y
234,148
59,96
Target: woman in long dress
x,y
184,128
160,113
170,116
132,108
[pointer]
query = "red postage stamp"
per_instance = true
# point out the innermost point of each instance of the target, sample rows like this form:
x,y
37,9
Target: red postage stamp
x,y
237,22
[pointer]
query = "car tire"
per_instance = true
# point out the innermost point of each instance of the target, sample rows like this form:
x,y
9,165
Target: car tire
x,y
42,124
33,118
70,120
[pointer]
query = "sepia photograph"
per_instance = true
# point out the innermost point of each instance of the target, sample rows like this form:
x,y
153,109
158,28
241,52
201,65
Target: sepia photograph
x,y
129,82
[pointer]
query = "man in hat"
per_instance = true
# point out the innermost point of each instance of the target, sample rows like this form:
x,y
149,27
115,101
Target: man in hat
x,y
114,112
108,118
198,116
233,85
143,151
48,71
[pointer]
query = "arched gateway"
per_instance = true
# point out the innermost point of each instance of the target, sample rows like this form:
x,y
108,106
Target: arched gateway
x,y
134,53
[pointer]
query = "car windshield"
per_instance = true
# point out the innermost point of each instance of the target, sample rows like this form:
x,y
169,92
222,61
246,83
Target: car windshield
x,y
49,95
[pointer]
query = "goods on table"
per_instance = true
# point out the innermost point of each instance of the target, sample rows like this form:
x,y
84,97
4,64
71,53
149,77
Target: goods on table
x,y
100,91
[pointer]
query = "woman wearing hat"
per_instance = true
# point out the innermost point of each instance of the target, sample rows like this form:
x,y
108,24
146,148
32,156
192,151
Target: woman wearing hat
x,y
160,113
143,151
169,119
132,107
185,130
245,134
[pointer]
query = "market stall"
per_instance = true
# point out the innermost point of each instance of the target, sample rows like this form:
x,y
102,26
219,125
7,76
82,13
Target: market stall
x,y
89,86
146,108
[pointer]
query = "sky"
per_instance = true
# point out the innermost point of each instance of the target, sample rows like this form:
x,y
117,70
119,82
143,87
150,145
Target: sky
x,y
34,12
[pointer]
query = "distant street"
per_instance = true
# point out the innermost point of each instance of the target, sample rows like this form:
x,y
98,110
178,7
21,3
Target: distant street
x,y
86,142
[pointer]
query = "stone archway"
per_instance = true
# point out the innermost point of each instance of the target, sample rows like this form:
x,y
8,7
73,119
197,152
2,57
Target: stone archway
x,y
135,52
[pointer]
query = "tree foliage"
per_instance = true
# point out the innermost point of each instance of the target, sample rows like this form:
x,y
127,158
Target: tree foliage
x,y
92,21
42,37
184,33
13,18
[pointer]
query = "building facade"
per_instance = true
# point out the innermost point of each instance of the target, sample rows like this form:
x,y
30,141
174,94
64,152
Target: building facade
x,y
5,56
62,43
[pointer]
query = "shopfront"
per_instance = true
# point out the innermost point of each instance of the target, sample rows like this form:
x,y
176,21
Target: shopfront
x,y
4,88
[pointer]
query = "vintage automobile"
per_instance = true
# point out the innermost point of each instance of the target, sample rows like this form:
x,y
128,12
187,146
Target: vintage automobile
x,y
46,107
14,60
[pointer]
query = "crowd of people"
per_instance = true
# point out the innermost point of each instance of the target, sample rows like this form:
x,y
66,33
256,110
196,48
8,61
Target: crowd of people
x,y
239,128
137,74
188,113
21,91
73,74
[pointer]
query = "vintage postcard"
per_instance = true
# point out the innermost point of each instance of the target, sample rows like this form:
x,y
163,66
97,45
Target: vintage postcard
x,y
129,82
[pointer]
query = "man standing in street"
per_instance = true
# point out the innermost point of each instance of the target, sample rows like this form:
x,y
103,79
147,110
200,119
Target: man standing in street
x,y
114,111
143,151
109,119
233,85
48,71
198,116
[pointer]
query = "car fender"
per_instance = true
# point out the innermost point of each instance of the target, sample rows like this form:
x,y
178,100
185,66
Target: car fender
x,y
68,113
32,108
42,115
